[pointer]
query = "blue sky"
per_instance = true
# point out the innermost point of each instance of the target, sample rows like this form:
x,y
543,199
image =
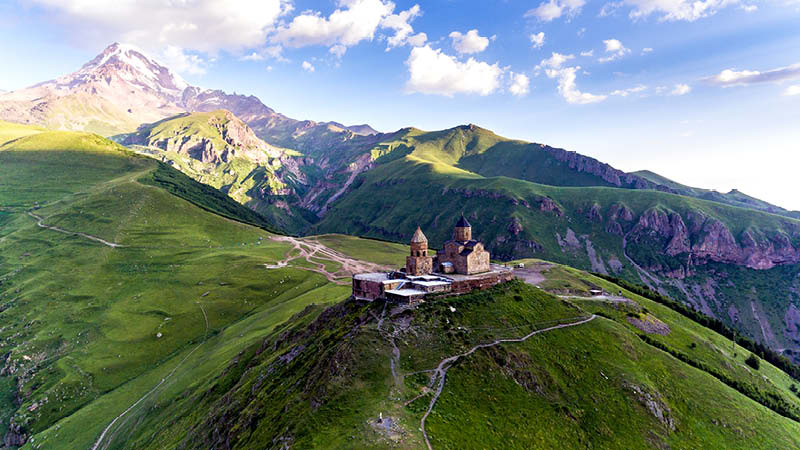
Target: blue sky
x,y
706,93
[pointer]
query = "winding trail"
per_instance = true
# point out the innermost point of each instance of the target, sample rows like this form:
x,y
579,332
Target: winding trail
x,y
40,223
142,398
309,248
441,369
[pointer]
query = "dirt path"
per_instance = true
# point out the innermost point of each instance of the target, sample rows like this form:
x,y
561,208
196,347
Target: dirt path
x,y
99,441
441,369
40,223
308,248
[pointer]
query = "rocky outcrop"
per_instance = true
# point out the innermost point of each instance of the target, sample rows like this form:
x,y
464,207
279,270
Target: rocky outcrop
x,y
515,227
615,177
548,205
618,213
708,239
15,437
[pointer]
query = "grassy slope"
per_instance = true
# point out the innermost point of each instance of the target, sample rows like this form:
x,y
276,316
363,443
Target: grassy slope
x,y
330,379
80,319
10,131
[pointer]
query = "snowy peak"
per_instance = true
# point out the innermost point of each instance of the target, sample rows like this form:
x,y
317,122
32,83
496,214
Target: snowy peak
x,y
126,63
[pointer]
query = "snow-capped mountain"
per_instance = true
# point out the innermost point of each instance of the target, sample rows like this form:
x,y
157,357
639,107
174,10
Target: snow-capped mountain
x,y
123,88
130,65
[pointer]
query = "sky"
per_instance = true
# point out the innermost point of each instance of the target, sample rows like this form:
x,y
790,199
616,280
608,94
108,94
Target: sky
x,y
704,92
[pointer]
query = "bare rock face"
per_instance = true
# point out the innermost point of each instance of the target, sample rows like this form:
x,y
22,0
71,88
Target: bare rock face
x,y
515,227
704,239
657,224
15,437
594,213
618,213
547,204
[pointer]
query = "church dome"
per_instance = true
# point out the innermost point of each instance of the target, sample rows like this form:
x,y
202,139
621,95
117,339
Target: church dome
x,y
462,222
419,237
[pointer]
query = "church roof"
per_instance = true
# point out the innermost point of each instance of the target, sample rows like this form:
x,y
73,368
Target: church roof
x,y
462,222
418,237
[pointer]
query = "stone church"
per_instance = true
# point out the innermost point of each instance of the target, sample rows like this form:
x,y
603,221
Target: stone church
x,y
461,255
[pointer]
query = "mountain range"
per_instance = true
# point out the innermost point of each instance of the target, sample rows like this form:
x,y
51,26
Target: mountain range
x,y
152,296
707,248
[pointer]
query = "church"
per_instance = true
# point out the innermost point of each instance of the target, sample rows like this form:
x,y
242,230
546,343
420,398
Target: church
x,y
461,255
461,267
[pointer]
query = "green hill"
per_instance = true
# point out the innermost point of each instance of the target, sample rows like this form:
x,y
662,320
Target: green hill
x,y
122,279
218,149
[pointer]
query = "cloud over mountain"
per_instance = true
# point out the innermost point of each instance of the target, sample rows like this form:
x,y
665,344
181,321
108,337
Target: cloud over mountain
x,y
432,71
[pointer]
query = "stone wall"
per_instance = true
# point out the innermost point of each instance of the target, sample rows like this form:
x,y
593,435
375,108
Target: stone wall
x,y
477,262
367,289
485,282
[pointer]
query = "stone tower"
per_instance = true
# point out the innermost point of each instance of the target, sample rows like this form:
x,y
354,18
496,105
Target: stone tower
x,y
419,263
463,230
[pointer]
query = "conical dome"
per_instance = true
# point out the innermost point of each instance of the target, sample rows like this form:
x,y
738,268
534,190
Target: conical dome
x,y
419,237
462,222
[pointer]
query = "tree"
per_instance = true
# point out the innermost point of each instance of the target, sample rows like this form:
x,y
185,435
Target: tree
x,y
753,361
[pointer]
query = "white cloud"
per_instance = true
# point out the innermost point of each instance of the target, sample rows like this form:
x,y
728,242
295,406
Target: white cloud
x,y
198,25
626,92
792,90
646,50
401,24
614,49
553,9
680,89
520,84
180,61
732,77
555,61
749,8
308,67
469,43
554,69
358,21
674,10
569,90
355,21
610,8
252,57
434,72
588,53
338,50
270,52
417,40
537,39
